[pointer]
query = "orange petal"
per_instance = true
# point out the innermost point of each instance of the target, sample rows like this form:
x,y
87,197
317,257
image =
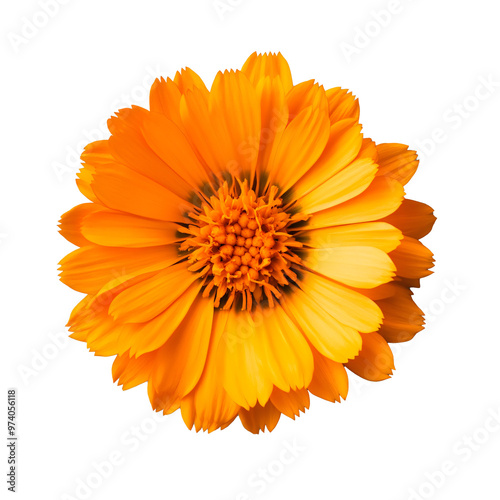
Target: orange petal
x,y
144,301
128,191
343,145
290,403
274,119
304,95
402,317
258,66
375,361
208,406
298,148
151,335
412,259
342,104
70,225
235,106
397,162
118,229
415,219
165,98
259,417
128,147
329,380
187,79
179,363
130,371
89,268
166,139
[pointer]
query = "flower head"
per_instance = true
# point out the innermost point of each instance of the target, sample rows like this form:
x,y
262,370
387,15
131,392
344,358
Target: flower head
x,y
243,246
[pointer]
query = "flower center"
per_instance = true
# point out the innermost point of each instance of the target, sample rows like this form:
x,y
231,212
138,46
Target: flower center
x,y
241,245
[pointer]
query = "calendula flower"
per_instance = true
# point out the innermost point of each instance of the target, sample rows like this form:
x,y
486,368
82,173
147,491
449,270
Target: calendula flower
x,y
244,245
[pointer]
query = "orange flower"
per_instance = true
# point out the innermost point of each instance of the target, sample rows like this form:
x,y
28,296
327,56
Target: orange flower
x,y
244,245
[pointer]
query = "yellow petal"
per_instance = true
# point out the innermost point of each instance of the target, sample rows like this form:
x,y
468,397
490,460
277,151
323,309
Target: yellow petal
x,y
330,337
343,145
262,350
373,234
360,266
347,306
381,198
343,186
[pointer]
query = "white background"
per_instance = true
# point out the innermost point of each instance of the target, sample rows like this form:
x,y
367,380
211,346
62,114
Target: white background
x,y
413,76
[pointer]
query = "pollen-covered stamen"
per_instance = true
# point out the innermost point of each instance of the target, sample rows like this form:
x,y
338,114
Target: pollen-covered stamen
x,y
241,245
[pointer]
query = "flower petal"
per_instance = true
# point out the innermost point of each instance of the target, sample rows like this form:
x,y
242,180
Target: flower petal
x,y
397,162
258,66
360,266
144,301
348,183
208,406
381,198
298,148
128,191
373,234
89,268
342,104
330,337
375,361
330,380
290,403
347,306
412,259
403,319
415,219
180,361
262,350
118,229
259,417
343,145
